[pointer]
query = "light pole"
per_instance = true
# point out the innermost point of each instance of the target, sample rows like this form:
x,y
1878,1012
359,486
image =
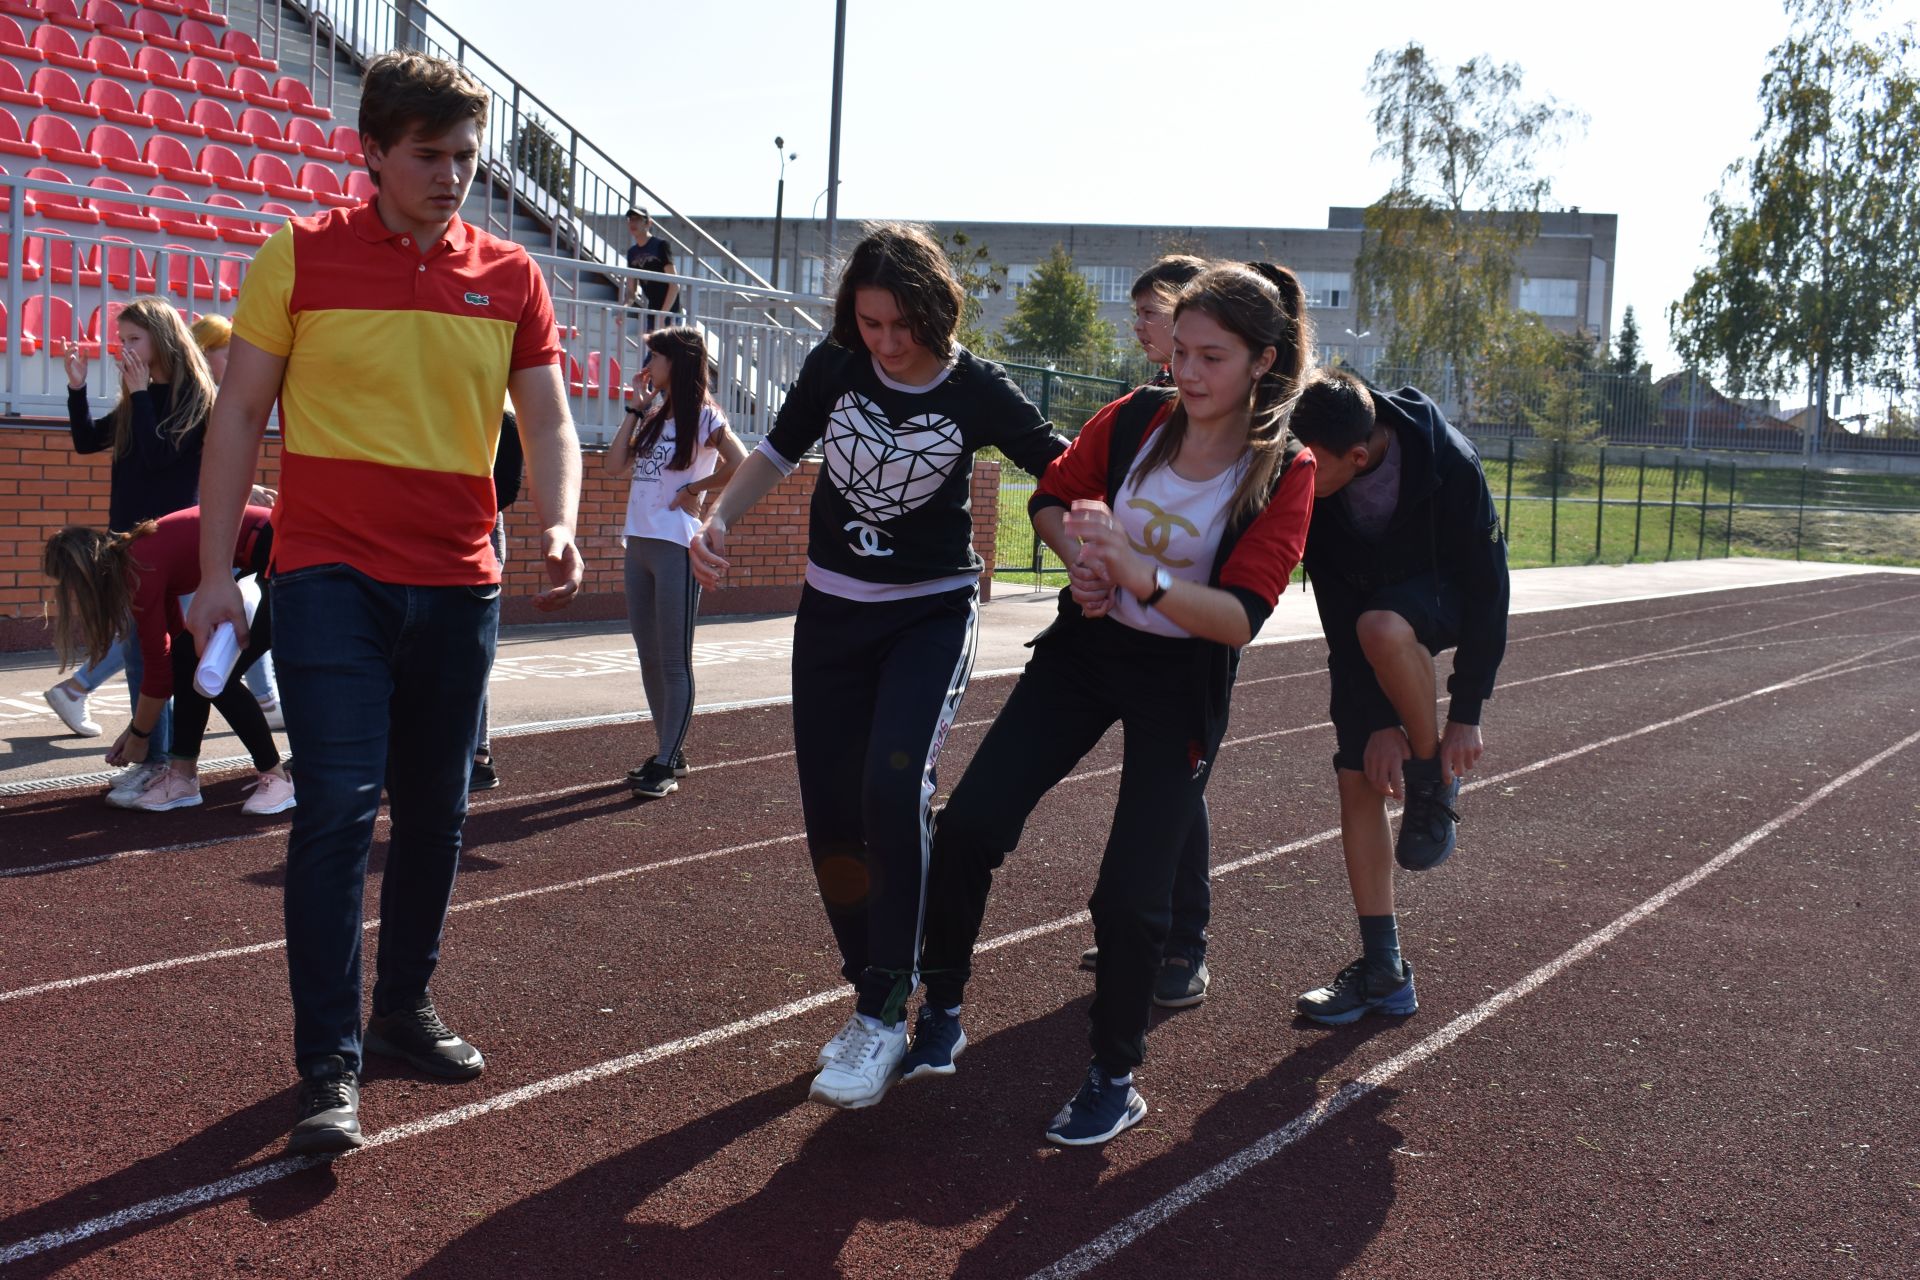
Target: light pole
x,y
833,146
779,202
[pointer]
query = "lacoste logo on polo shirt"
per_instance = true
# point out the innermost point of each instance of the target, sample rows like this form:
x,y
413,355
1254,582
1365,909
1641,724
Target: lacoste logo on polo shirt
x,y
478,300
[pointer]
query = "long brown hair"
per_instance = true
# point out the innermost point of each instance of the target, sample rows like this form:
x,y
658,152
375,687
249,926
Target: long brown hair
x,y
94,576
1264,306
178,356
686,398
908,262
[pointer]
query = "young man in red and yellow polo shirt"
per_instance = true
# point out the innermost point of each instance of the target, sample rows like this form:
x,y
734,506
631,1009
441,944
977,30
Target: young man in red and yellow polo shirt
x,y
388,334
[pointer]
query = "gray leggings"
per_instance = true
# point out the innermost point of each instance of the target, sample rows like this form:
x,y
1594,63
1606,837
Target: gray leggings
x,y
662,599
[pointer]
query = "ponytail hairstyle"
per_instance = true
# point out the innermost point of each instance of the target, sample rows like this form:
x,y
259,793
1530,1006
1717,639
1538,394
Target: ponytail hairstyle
x,y
908,262
94,574
1264,306
686,353
176,356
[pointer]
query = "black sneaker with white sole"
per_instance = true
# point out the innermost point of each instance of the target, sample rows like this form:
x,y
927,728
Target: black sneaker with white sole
x,y
1427,826
1090,959
417,1037
1360,989
1100,1111
329,1104
680,768
1181,983
654,781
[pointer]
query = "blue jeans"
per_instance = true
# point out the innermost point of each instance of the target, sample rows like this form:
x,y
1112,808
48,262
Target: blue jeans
x,y
160,741
381,685
95,674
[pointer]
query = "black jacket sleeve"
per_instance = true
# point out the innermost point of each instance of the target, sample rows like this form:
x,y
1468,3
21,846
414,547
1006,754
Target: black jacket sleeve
x,y
90,435
803,416
1018,429
1477,553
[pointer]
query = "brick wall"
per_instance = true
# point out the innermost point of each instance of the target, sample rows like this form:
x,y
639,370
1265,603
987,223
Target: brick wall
x,y
45,486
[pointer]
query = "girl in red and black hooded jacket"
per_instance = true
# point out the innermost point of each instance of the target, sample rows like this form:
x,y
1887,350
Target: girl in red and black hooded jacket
x,y
1191,507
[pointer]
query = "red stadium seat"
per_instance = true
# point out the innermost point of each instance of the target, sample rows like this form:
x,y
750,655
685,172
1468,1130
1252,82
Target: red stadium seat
x,y
210,79
59,142
48,253
274,206
264,131
296,95
168,114
116,103
108,17
13,42
246,51
271,172
105,320
203,9
576,379
124,214
162,70
10,140
224,167
218,122
61,93
110,57
175,161
253,86
124,268
117,149
64,12
45,322
182,222
184,271
235,230
200,38
60,48
157,30
320,180
360,186
5,327
312,140
231,271
347,138
13,90
66,205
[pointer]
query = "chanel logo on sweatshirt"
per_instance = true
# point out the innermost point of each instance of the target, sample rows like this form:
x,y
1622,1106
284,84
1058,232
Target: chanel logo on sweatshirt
x,y
1159,533
886,470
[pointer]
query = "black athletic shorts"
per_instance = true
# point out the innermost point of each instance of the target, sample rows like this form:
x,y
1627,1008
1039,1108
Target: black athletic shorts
x,y
1432,608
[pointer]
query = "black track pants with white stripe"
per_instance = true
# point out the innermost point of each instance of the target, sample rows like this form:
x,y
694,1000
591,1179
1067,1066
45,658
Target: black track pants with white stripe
x,y
876,687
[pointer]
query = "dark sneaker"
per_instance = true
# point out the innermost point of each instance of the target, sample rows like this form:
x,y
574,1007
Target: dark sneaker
x,y
483,776
937,1041
1427,827
1360,989
329,1111
1181,983
654,781
418,1037
680,768
1098,1112
1090,959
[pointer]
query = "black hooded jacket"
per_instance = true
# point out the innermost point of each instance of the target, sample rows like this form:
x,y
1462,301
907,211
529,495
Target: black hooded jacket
x,y
1446,525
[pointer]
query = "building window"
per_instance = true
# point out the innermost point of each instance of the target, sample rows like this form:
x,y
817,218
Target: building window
x,y
1111,284
1020,274
1327,290
1555,298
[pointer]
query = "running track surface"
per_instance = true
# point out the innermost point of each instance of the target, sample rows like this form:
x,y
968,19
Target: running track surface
x,y
1665,1029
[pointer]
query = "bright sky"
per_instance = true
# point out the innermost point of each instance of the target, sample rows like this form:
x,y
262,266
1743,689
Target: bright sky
x,y
1234,113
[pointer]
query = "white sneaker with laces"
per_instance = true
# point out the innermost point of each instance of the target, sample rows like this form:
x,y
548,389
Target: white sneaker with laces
x,y
71,707
169,791
864,1068
271,794
129,784
831,1049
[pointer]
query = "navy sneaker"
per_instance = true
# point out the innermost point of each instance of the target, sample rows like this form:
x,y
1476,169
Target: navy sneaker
x,y
937,1041
1360,989
1101,1110
1427,826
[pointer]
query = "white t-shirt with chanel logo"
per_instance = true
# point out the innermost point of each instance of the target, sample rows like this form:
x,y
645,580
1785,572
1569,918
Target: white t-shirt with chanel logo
x,y
1175,523
656,484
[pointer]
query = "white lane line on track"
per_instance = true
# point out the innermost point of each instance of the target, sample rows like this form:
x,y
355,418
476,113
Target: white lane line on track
x,y
1118,1238
286,1166
1857,663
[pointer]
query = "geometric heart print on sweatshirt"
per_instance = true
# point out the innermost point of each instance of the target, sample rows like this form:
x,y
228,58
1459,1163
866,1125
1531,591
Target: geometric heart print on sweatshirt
x,y
886,471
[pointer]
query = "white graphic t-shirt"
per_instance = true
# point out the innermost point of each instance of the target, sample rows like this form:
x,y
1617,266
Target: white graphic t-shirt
x,y
656,484
1175,523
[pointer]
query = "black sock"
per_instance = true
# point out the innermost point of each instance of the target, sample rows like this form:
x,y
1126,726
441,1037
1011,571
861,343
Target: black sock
x,y
1380,941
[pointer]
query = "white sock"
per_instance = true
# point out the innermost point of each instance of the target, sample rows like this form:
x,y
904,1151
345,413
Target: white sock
x,y
955,1011
1125,1079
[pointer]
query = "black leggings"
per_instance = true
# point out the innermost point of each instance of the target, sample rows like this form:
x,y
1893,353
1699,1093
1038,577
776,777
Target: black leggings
x,y
876,686
236,702
1074,688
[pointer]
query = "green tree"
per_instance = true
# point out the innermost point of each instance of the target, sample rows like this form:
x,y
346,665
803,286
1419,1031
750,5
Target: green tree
x,y
1627,398
973,266
1440,250
1058,314
1813,263
538,154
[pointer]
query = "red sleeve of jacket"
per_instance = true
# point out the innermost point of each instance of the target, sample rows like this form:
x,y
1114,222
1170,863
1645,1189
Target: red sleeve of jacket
x,y
1080,472
1263,560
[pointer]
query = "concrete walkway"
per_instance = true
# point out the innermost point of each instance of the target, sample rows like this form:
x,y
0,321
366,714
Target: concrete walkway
x,y
561,673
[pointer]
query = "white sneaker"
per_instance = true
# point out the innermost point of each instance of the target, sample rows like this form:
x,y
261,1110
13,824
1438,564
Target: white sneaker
x,y
72,709
271,794
168,791
831,1049
270,708
864,1068
130,782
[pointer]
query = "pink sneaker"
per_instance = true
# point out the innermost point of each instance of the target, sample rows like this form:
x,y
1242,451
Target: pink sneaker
x,y
271,794
168,791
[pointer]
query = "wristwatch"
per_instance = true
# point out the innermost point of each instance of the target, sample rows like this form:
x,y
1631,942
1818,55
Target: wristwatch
x,y
1162,583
